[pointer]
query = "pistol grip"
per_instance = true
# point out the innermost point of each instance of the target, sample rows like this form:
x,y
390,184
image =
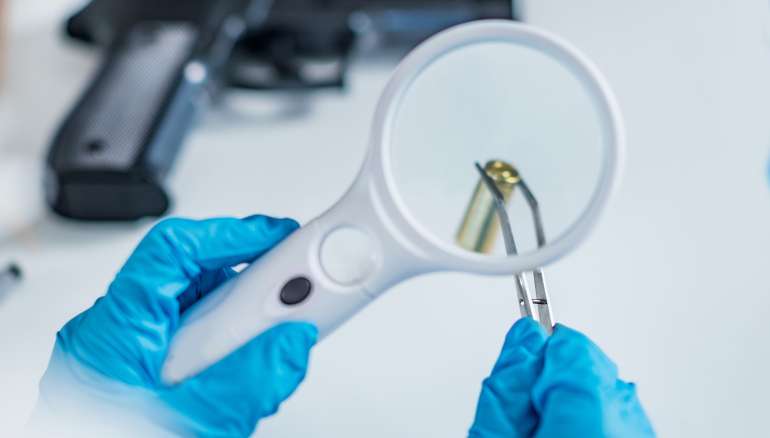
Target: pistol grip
x,y
111,154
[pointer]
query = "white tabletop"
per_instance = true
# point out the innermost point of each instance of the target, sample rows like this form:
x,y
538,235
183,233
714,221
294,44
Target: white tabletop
x,y
672,284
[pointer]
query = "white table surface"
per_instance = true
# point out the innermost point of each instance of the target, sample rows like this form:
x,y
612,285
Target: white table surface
x,y
673,284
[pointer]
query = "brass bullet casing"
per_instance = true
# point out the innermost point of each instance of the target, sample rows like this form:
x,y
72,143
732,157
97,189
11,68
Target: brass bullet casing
x,y
480,226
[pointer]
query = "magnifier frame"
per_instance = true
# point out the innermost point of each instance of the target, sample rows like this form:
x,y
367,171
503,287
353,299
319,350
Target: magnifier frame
x,y
369,240
379,161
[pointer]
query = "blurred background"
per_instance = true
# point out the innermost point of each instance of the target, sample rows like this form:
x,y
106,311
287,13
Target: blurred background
x,y
673,283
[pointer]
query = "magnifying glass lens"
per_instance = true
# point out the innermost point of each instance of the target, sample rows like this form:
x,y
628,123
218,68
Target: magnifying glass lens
x,y
520,114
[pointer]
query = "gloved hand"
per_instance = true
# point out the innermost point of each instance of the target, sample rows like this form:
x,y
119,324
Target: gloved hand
x,y
111,355
558,386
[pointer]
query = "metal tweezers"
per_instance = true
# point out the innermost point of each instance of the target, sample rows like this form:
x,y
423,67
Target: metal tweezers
x,y
544,314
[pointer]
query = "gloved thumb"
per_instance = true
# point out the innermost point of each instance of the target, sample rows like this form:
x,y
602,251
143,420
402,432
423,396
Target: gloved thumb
x,y
505,407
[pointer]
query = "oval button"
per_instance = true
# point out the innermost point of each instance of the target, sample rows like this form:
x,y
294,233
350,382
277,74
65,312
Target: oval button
x,y
296,291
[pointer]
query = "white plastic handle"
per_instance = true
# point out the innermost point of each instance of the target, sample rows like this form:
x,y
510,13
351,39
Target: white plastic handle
x,y
341,254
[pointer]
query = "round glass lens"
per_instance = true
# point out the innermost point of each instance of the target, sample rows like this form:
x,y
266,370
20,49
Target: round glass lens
x,y
528,122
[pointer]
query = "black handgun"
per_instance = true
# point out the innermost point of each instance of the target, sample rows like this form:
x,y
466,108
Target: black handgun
x,y
165,59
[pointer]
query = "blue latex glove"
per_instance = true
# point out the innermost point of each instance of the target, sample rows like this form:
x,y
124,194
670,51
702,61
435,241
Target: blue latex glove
x,y
558,386
112,354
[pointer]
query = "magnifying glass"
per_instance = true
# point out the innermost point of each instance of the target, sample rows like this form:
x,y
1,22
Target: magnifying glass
x,y
491,91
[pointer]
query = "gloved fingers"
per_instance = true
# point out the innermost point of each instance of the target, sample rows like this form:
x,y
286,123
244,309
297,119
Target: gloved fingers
x,y
207,282
182,248
140,312
225,242
525,337
571,393
136,329
247,385
176,252
505,406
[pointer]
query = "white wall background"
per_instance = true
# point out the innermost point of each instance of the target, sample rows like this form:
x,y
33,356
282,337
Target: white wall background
x,y
673,283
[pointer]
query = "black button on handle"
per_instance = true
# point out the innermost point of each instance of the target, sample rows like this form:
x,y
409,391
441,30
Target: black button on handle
x,y
296,291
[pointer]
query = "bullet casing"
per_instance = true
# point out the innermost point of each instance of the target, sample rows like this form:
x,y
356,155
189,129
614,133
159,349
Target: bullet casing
x,y
480,226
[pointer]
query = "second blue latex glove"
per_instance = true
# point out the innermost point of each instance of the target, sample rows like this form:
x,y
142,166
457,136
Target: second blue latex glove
x,y
113,352
558,386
